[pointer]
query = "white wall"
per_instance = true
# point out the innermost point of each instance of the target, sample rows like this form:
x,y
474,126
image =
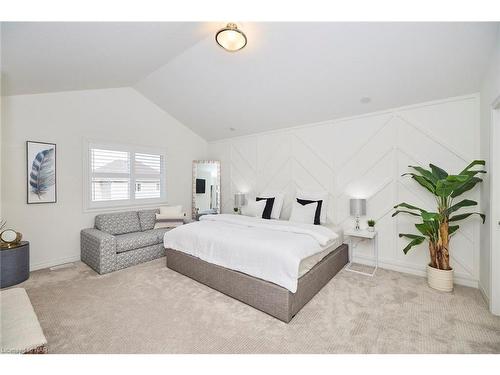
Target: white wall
x,y
365,156
67,118
490,90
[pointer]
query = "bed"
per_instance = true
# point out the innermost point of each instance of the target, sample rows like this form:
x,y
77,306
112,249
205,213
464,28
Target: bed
x,y
274,266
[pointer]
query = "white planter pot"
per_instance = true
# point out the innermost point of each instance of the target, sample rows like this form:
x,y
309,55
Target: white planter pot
x,y
440,279
371,229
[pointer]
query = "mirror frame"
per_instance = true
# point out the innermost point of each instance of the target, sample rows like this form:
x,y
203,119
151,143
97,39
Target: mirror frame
x,y
193,191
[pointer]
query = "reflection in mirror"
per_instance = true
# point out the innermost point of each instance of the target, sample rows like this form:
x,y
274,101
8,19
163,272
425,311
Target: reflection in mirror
x,y
206,187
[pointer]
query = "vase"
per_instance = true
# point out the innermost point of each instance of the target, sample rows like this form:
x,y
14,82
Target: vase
x,y
371,229
441,280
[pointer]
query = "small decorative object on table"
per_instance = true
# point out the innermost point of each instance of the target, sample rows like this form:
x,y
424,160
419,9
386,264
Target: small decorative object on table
x,y
8,237
435,226
371,225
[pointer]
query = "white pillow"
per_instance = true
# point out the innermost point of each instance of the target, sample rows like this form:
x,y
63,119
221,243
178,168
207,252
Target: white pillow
x,y
170,210
278,203
303,213
254,208
315,196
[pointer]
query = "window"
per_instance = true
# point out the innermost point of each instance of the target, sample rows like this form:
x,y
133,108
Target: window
x,y
124,176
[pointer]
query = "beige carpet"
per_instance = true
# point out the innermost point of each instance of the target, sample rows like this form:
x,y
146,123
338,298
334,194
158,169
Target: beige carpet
x,y
151,309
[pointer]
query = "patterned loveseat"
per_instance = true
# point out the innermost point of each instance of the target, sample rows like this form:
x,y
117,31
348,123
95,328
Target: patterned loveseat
x,y
120,240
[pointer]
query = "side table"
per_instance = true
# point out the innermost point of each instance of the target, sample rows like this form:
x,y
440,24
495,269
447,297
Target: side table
x,y
362,235
14,264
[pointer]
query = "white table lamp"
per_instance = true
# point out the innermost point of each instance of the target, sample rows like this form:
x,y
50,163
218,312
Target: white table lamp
x,y
357,209
239,201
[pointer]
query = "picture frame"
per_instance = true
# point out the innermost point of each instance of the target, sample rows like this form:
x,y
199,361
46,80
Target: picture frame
x,y
41,172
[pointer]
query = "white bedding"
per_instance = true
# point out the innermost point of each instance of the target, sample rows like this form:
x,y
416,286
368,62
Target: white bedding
x,y
268,249
308,263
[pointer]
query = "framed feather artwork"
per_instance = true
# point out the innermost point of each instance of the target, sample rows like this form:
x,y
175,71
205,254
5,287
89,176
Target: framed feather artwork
x,y
41,172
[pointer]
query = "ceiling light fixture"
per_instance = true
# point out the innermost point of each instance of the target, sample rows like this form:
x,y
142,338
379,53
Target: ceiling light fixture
x,y
230,38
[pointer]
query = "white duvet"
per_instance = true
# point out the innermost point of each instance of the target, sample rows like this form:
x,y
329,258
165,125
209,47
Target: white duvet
x,y
268,249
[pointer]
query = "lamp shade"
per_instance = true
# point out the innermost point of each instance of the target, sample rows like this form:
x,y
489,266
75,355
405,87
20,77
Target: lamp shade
x,y
358,207
239,200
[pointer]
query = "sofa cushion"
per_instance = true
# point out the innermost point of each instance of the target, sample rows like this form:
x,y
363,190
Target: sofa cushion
x,y
147,218
118,223
159,233
132,241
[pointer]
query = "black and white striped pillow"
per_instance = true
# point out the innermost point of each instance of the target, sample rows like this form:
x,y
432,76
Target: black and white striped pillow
x,y
266,214
317,215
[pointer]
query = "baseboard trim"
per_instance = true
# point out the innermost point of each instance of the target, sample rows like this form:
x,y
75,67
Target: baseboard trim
x,y
484,295
411,269
52,263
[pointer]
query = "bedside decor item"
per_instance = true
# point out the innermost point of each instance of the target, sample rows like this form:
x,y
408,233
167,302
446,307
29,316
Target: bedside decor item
x,y
10,238
239,201
41,172
231,38
438,227
14,264
357,209
371,225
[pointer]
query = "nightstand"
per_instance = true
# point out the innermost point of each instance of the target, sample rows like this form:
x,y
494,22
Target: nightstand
x,y
362,235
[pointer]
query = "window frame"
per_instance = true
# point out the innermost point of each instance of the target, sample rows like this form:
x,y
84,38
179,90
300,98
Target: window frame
x,y
131,202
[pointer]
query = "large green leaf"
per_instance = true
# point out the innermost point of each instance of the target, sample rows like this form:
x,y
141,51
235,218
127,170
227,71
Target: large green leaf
x,y
426,184
406,212
474,163
438,172
426,228
452,229
464,216
457,206
445,188
409,206
466,186
457,178
413,175
473,173
425,173
415,240
430,216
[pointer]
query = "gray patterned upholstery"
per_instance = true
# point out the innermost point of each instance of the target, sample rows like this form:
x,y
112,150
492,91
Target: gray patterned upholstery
x,y
159,232
131,241
117,240
118,223
98,250
145,254
147,218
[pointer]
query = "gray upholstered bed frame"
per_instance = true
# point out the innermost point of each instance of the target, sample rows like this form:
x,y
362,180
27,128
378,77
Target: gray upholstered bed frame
x,y
260,294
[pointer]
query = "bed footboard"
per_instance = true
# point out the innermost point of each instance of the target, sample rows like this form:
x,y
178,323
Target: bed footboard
x,y
260,294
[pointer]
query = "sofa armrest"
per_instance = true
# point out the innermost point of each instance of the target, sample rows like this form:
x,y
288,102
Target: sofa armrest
x,y
98,250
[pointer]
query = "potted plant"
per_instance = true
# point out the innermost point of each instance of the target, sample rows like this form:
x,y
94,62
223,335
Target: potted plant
x,y
437,227
371,225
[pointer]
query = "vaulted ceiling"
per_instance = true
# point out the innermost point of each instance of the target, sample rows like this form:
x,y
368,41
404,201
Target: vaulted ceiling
x,y
289,73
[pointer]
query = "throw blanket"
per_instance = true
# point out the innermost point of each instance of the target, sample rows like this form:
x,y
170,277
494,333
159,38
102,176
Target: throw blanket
x,y
268,249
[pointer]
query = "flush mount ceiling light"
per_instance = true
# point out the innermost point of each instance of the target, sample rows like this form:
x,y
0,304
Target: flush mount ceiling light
x,y
230,38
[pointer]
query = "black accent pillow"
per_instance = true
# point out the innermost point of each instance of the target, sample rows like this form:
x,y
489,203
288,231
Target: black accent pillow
x,y
266,214
317,215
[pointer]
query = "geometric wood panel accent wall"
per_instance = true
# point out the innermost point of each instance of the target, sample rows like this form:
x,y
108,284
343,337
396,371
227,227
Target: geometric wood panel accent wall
x,y
364,156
